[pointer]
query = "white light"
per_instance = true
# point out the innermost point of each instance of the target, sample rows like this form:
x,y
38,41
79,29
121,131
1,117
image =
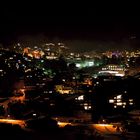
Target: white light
x,y
124,103
119,75
78,65
130,100
111,101
115,106
123,106
91,64
34,114
131,103
97,83
18,44
86,108
119,100
80,97
108,71
119,104
119,96
11,58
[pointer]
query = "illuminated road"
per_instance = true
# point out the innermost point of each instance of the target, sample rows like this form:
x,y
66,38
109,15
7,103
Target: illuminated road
x,y
101,128
105,128
107,131
12,121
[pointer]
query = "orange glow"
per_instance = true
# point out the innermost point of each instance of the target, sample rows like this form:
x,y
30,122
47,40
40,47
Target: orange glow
x,y
105,128
11,121
22,90
63,124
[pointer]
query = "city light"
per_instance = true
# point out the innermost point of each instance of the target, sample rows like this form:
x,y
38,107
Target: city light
x,y
11,121
119,96
80,97
111,101
119,104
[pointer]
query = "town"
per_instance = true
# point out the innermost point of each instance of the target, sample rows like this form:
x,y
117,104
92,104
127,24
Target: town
x,y
49,87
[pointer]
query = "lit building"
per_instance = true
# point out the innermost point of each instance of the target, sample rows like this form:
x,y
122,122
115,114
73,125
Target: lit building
x,y
120,101
64,90
114,70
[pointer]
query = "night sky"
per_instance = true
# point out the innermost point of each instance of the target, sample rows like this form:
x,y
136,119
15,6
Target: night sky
x,y
83,27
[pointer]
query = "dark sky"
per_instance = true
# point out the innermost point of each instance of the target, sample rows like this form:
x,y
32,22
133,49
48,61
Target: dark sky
x,y
95,25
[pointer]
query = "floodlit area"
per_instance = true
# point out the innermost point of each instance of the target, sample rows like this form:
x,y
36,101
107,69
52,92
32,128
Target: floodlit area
x,y
14,122
63,124
105,128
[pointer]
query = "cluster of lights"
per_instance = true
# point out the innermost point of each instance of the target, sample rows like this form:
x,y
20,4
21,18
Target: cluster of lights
x,y
87,106
80,98
117,101
84,64
115,73
64,90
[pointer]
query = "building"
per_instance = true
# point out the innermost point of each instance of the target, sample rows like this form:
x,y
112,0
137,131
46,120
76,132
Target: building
x,y
114,70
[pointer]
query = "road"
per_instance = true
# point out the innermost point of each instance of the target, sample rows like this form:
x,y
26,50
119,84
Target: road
x,y
22,123
107,131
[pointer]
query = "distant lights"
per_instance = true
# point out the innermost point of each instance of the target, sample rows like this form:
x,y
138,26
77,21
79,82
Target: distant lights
x,y
18,44
80,98
111,101
115,106
131,103
34,114
130,100
119,104
118,101
119,96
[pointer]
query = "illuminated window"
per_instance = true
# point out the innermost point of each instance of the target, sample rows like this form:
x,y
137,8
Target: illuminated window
x,y
119,96
124,103
119,100
87,107
80,97
34,114
131,103
119,104
91,64
63,80
115,106
78,65
130,100
111,101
